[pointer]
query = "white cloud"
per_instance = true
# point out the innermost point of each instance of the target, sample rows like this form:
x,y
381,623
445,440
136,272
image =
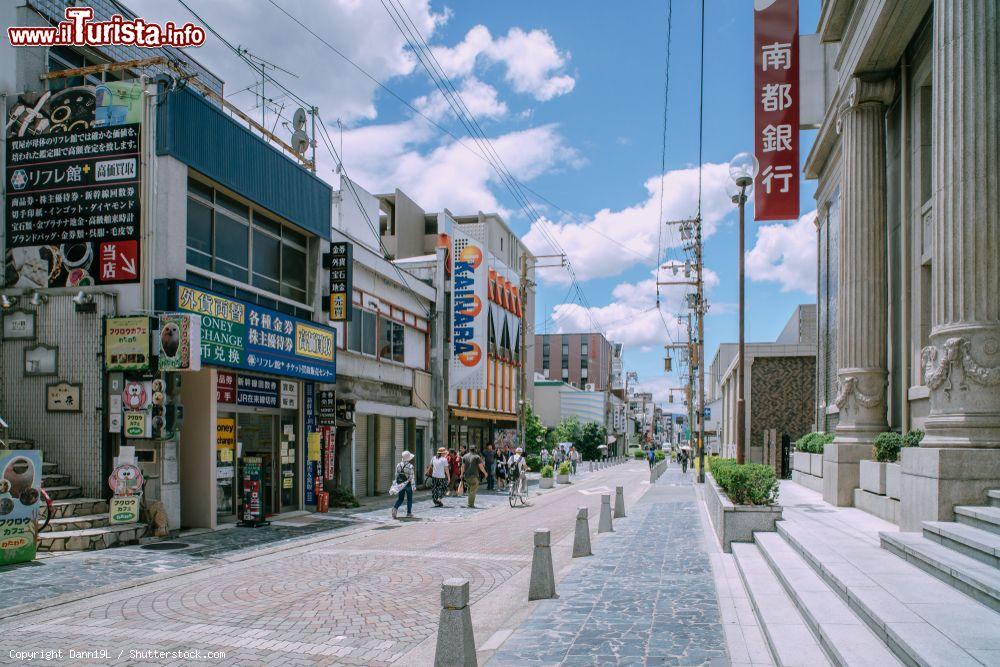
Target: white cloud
x,y
534,65
785,254
659,386
481,99
636,227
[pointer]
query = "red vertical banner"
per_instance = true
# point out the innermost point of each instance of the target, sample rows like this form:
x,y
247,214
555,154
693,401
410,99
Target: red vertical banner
x,y
776,109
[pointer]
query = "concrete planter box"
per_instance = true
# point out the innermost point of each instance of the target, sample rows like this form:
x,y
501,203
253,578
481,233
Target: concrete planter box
x,y
816,465
801,461
546,482
893,480
873,477
562,479
737,523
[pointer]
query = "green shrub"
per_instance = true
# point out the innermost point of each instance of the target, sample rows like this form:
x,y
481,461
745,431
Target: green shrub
x,y
533,462
913,438
660,455
814,442
747,483
565,468
341,496
547,471
886,447
638,454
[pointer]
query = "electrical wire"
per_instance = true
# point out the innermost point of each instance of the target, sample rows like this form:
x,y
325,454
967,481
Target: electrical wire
x,y
660,222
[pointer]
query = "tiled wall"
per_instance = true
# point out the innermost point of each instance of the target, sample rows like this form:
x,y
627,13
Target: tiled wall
x,y
781,397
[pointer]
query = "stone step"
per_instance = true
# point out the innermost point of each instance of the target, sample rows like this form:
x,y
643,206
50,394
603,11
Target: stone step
x,y
911,637
91,539
986,518
77,507
994,496
49,467
79,522
961,572
841,633
980,544
788,635
63,492
54,479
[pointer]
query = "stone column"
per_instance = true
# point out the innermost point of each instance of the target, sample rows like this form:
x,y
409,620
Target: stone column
x,y
862,314
959,460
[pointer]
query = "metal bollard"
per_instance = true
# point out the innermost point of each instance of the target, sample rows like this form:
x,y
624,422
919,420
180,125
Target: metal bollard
x,y
591,466
456,644
619,502
543,580
581,538
604,525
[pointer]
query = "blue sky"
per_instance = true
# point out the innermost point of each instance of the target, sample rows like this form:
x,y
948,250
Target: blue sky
x,y
571,93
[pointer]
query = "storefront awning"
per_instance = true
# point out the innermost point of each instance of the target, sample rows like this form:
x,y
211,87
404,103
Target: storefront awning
x,y
486,415
387,410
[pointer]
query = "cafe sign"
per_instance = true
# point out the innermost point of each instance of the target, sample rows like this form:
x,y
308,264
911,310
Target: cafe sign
x,y
126,343
238,334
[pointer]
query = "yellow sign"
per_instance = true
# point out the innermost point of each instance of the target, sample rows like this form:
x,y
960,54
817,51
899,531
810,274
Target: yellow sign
x,y
225,434
338,307
315,343
196,301
124,509
126,343
136,424
312,445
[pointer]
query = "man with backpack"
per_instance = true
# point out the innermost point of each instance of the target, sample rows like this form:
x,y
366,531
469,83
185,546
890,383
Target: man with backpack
x,y
472,467
404,484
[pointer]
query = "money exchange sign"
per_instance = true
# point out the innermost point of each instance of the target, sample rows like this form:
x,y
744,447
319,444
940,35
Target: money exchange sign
x,y
341,280
72,180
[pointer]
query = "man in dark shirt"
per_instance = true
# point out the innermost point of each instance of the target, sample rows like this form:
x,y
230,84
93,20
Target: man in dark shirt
x,y
472,466
491,458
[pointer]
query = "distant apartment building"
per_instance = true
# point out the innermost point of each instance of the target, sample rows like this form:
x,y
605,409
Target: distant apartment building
x,y
578,359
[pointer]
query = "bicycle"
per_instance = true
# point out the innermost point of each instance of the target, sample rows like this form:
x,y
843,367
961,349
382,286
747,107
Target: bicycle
x,y
518,489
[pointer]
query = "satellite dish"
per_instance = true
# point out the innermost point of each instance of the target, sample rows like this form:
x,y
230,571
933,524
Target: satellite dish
x,y
299,119
300,140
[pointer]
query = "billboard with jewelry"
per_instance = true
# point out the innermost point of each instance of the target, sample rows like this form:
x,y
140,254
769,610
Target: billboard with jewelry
x,y
72,184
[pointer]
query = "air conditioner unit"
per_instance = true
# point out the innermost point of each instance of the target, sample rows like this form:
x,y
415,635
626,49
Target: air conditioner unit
x,y
590,386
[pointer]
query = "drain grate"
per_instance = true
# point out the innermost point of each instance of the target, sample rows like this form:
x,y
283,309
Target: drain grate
x,y
165,546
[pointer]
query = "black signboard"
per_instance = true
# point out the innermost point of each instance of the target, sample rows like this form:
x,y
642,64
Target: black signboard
x,y
326,408
341,280
73,184
257,392
252,511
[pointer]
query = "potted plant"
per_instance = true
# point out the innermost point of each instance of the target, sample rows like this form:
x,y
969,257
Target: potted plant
x,y
893,471
808,457
562,477
741,498
885,450
546,482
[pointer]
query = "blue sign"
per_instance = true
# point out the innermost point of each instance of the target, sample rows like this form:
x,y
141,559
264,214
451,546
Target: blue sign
x,y
256,392
238,334
708,412
309,416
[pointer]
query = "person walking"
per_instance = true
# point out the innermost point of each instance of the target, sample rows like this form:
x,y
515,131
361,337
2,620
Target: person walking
x,y
574,458
440,475
405,482
472,466
454,468
544,454
684,460
651,455
490,458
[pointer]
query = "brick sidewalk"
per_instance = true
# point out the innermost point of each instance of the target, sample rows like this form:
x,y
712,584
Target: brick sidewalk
x,y
646,597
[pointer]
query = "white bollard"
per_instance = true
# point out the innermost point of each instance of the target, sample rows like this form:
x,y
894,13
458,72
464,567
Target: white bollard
x,y
581,538
456,644
543,580
619,502
604,525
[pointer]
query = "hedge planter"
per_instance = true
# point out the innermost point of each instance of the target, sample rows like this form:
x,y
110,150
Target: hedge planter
x,y
816,465
562,479
546,483
873,477
893,479
801,461
737,523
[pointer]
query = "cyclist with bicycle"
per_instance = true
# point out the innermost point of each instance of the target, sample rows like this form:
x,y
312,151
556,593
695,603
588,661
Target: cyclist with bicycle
x,y
517,470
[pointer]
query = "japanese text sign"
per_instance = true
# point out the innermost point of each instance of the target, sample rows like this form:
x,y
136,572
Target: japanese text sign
x,y
256,392
776,110
73,177
20,481
238,334
341,281
126,343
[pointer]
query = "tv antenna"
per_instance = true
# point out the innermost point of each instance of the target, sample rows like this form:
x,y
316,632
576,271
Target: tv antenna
x,y
264,66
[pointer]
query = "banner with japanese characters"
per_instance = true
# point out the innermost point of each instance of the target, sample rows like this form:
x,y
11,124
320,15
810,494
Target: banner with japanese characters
x,y
469,305
73,177
238,334
776,109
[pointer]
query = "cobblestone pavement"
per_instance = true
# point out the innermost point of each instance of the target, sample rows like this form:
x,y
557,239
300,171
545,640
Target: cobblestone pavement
x,y
648,600
356,598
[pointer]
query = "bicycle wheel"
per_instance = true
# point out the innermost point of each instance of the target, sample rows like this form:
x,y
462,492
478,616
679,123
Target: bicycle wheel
x,y
523,492
512,496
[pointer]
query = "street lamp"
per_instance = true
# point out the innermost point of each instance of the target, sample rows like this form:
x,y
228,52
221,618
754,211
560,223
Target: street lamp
x,y
742,169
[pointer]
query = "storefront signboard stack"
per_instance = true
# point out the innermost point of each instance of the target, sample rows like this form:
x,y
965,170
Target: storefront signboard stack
x,y
20,481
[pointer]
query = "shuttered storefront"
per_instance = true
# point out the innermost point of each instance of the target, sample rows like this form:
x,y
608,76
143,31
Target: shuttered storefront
x,y
361,456
385,454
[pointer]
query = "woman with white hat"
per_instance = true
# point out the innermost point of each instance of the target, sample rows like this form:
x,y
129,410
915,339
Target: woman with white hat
x,y
404,484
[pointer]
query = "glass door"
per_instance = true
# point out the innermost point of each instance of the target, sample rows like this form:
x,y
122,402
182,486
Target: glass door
x,y
257,434
225,468
287,479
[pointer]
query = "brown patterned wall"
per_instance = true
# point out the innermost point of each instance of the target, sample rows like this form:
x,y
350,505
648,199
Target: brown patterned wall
x,y
782,397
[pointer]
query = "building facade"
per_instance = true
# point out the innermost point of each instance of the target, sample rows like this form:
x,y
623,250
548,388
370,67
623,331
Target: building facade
x,y
909,306
579,359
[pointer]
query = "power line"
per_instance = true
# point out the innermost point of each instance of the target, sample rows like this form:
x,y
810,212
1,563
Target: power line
x,y
660,222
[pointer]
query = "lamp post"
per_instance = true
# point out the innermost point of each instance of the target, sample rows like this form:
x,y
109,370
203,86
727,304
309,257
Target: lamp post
x,y
742,169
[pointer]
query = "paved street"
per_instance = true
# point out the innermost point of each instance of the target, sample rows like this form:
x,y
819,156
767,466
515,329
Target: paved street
x,y
647,598
366,593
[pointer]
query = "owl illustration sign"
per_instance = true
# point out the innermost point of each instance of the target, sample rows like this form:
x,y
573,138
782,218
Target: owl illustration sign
x,y
126,480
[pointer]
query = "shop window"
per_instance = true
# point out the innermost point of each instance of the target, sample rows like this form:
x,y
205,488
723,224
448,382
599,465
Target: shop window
x,y
361,332
62,58
390,340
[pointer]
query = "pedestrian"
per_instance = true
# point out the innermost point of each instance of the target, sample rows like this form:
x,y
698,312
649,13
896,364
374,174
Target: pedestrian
x,y
651,455
490,458
472,466
454,467
574,458
684,460
544,454
501,470
440,475
405,483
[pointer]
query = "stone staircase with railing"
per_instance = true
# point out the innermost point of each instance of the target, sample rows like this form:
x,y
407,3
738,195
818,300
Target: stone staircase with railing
x,y
77,523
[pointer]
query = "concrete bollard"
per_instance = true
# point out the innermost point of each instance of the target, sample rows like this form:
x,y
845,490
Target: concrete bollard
x,y
581,538
543,580
604,525
619,502
456,644
591,466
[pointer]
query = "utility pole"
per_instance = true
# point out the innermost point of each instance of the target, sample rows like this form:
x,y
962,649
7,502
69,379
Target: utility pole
x,y
701,308
522,371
